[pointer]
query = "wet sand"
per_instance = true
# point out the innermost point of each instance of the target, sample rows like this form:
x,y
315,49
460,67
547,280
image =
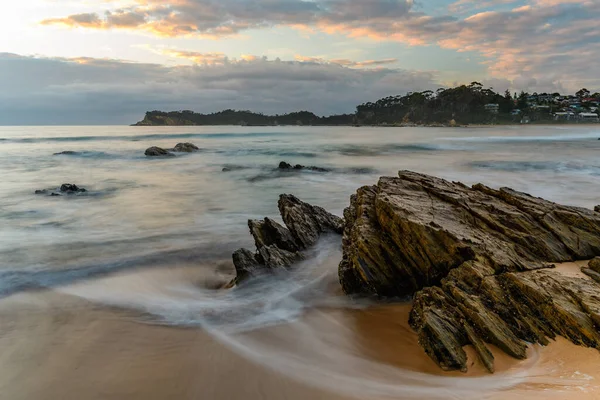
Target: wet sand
x,y
60,346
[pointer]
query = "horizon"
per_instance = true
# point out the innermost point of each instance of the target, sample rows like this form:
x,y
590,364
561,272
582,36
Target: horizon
x,y
108,62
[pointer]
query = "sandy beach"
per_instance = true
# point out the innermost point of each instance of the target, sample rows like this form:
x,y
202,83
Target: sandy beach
x,y
57,345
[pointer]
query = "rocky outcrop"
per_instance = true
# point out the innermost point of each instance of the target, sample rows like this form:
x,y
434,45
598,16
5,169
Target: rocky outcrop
x,y
289,167
279,246
157,152
185,148
597,209
65,188
477,261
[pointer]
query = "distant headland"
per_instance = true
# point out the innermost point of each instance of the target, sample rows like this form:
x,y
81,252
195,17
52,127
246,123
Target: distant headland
x,y
461,105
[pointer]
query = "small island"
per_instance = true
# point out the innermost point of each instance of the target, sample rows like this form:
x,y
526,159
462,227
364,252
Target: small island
x,y
458,106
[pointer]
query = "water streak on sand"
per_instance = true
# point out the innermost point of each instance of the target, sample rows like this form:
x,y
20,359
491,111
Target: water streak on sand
x,y
160,244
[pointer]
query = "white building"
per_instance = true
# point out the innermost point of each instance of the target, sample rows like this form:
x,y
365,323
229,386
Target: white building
x,y
588,117
492,107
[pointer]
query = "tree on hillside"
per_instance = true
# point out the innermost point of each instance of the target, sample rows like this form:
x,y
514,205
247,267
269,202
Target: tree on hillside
x,y
583,93
522,101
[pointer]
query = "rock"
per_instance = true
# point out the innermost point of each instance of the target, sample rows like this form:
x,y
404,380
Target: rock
x,y
273,257
409,232
185,148
65,188
286,166
591,273
245,264
71,188
477,262
307,222
66,153
594,264
269,232
597,209
279,247
157,152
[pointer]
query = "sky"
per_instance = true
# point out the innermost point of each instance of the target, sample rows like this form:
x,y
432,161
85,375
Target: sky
x,y
109,61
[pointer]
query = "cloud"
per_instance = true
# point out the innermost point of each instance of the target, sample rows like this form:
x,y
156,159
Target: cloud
x,y
221,18
346,62
551,42
87,90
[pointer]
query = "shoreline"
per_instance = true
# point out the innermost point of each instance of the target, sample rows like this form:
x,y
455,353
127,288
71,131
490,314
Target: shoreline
x,y
57,343
541,124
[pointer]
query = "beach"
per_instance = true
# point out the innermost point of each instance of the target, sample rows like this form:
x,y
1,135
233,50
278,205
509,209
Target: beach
x,y
115,292
57,345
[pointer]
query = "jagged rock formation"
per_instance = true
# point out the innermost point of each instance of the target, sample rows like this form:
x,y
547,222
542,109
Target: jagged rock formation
x,y
158,152
477,262
289,167
279,246
185,148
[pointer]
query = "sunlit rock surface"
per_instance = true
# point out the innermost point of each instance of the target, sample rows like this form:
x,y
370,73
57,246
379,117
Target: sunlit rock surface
x,y
477,262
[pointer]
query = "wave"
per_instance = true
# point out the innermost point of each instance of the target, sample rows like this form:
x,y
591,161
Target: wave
x,y
135,138
268,152
18,280
100,155
390,148
545,138
552,166
312,350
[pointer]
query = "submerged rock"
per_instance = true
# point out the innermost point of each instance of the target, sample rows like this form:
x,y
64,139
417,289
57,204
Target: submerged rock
x,y
157,152
477,262
279,246
289,167
65,188
597,209
71,188
185,148
66,153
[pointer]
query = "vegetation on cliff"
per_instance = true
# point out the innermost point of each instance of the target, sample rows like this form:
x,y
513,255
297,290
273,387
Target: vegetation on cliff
x,y
465,104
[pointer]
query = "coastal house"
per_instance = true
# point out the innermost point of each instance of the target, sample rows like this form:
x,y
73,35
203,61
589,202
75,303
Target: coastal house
x,y
492,107
564,116
588,117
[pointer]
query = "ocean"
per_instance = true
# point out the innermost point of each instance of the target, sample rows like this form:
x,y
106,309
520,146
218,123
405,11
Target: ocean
x,y
154,236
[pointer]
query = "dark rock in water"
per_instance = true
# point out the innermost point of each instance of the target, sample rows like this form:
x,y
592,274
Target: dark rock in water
x,y
476,260
245,264
307,222
157,152
273,257
66,153
65,188
269,232
287,166
71,188
597,209
185,148
278,246
229,168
